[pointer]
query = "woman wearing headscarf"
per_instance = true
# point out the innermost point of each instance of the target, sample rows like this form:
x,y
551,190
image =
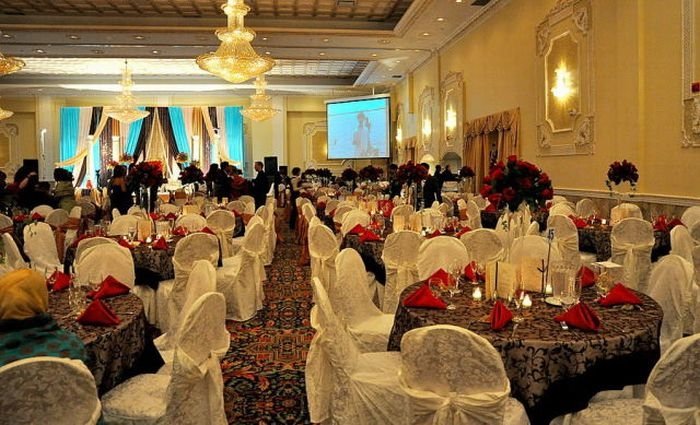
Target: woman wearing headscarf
x,y
64,191
26,330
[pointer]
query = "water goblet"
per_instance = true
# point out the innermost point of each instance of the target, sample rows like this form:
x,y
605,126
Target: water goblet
x,y
132,233
456,271
451,287
518,298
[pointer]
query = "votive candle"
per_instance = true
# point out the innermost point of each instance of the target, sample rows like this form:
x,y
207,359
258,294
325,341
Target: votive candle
x,y
548,289
476,295
527,301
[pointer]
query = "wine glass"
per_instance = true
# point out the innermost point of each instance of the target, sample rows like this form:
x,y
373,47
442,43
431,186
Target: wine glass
x,y
480,269
456,271
568,296
132,233
518,300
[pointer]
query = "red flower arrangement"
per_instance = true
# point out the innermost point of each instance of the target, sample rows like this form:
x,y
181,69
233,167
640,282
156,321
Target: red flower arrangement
x,y
411,173
111,164
125,158
324,173
371,173
466,172
620,172
348,175
147,173
515,182
191,174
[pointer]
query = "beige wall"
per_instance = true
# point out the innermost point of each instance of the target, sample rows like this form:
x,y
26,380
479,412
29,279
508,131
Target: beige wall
x,y
24,119
637,93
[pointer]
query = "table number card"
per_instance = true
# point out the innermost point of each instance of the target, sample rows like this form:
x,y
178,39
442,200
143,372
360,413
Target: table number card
x,y
501,280
531,274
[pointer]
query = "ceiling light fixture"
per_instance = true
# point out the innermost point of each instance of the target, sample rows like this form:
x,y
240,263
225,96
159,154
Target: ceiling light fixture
x,y
426,34
155,52
126,110
374,55
322,54
260,108
325,40
8,36
441,19
40,51
139,37
8,64
235,60
74,37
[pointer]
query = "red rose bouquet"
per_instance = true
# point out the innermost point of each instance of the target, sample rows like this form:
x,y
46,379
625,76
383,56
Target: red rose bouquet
x,y
371,173
466,172
191,174
324,173
515,182
411,173
348,175
620,172
147,173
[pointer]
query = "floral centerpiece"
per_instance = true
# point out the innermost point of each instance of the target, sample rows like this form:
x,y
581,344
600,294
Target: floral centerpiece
x,y
182,157
111,164
125,158
466,172
620,172
309,173
348,175
371,173
411,173
147,173
191,174
515,182
324,173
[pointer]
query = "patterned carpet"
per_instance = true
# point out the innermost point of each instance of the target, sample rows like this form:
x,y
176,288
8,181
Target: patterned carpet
x,y
264,368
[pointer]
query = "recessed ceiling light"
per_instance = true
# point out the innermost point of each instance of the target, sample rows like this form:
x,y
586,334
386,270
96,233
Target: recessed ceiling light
x,y
416,50
268,53
8,36
374,55
139,37
384,41
98,51
264,39
73,37
458,1
397,61
325,40
322,54
426,34
40,51
155,52
440,19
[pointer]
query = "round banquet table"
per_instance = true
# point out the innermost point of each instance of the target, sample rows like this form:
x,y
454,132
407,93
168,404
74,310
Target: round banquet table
x,y
596,239
112,350
371,254
552,371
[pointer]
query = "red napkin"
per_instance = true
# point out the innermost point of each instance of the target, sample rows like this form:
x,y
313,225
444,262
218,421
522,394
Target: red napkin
x,y
160,244
110,287
580,316
673,223
442,275
207,230
579,222
171,216
369,236
37,216
661,223
98,314
449,229
19,218
357,230
500,316
423,297
155,216
619,295
386,207
587,276
435,233
123,242
321,206
491,208
471,273
61,281
464,230
180,231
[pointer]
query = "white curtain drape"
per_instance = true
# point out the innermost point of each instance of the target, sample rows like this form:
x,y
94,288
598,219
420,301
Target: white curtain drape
x,y
223,142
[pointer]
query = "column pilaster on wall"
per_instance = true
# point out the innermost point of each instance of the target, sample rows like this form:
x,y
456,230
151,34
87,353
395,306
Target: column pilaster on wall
x,y
47,135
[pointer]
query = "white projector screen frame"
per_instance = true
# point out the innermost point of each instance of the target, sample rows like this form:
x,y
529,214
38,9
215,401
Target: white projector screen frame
x,y
348,139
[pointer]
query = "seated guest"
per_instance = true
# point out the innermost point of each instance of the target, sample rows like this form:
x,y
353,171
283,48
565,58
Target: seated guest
x,y
210,178
239,185
26,330
119,193
64,191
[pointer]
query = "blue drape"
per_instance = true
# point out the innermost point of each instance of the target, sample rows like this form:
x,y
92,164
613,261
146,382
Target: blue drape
x,y
177,121
234,133
133,137
70,123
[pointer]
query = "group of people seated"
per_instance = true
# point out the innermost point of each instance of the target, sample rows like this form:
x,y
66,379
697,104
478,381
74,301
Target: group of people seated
x,y
26,191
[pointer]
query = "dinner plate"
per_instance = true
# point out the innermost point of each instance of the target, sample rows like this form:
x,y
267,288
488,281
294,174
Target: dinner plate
x,y
553,301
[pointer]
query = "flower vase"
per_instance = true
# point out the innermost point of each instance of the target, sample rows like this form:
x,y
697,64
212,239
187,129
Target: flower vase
x,y
413,196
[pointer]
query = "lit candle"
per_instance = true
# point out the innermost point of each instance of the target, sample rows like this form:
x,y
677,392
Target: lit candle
x,y
548,289
476,294
603,221
148,239
527,301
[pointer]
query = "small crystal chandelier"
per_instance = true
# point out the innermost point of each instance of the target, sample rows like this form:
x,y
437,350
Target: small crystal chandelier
x,y
235,60
260,108
5,114
8,64
126,110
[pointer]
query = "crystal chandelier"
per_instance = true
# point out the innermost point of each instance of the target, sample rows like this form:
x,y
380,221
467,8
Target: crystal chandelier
x,y
5,114
8,64
126,110
260,108
235,60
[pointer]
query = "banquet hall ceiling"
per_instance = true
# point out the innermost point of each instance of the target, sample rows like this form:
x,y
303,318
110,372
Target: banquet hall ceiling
x,y
76,47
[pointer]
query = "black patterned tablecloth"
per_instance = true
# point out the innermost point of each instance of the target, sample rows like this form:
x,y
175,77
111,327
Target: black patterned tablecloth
x,y
596,239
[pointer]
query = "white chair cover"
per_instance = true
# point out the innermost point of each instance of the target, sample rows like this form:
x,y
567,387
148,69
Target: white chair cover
x,y
191,222
624,210
533,229
72,234
556,199
191,209
87,208
115,213
322,198
247,199
13,258
427,216
323,249
223,222
271,233
42,210
691,216
562,208
464,382
480,201
352,302
694,231
696,290
315,221
40,247
48,390
57,218
405,210
238,206
344,386
483,246
440,253
474,214
331,205
5,221
400,256
565,237
585,208
169,209
89,243
632,240
682,243
671,285
120,225
134,210
535,247
193,393
92,268
340,212
352,219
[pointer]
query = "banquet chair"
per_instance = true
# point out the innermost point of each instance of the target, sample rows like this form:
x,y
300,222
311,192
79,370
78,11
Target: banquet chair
x,y
533,229
557,199
464,382
223,222
169,209
331,206
483,246
435,205
474,215
191,209
585,208
42,210
480,201
91,268
631,241
191,222
40,247
135,210
516,227
566,239
323,248
343,385
430,217
682,243
624,210
535,247
400,257
322,199
240,280
193,247
672,393
404,210
563,208
5,222
346,203
445,209
57,218
694,231
13,257
120,225
87,209
696,290
671,285
115,213
271,232
690,216
340,212
84,244
238,206
353,218
72,232
247,199
352,302
315,221
237,242
48,390
440,252
193,393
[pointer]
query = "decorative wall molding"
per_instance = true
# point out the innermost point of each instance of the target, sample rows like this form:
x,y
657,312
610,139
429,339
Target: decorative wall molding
x,y
452,98
310,130
690,102
426,107
685,201
10,132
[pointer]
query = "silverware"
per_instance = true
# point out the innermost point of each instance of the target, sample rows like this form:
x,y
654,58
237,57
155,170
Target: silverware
x,y
515,328
564,326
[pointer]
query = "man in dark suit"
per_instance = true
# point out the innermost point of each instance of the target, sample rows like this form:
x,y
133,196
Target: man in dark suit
x,y
431,189
260,185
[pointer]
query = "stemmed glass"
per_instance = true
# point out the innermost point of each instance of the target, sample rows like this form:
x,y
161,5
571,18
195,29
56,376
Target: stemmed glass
x,y
478,268
518,300
132,233
456,271
571,292
452,288
76,296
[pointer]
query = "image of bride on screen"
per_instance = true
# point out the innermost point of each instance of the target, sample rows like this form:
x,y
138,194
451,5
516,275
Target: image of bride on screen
x,y
360,138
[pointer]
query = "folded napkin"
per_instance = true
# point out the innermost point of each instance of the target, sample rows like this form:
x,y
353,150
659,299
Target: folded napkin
x,y
464,230
619,294
110,287
321,206
449,229
661,223
580,316
578,221
435,233
386,207
673,223
208,230
19,218
155,216
171,216
37,216
441,274
587,276
160,244
180,231
61,281
423,297
357,230
471,273
491,208
500,316
98,314
369,236
123,242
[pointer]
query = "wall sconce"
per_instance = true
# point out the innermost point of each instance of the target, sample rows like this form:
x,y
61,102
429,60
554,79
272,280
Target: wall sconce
x,y
563,84
399,135
427,129
451,120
